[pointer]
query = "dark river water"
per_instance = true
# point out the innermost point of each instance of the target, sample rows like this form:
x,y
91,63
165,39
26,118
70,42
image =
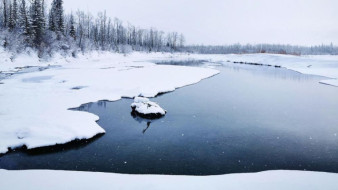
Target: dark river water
x,y
246,119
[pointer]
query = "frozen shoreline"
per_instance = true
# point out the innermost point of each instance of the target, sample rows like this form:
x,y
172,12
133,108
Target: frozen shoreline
x,y
35,106
320,65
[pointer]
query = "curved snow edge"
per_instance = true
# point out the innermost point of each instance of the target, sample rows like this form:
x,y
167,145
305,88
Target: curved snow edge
x,y
38,142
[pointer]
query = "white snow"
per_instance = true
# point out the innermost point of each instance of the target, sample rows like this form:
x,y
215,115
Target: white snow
x,y
64,180
146,107
321,65
34,106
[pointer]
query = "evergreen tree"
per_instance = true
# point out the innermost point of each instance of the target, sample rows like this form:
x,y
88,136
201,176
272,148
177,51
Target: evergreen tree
x,y
56,18
23,20
72,31
51,21
43,14
37,22
59,16
11,23
5,21
15,12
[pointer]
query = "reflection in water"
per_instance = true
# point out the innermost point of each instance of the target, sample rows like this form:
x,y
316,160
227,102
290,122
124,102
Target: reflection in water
x,y
142,120
246,119
148,125
270,72
260,70
191,62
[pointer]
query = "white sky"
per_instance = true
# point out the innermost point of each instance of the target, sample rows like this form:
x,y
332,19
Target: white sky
x,y
217,22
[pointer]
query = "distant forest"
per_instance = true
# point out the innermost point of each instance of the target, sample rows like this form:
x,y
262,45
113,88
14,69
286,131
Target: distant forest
x,y
32,25
27,24
265,48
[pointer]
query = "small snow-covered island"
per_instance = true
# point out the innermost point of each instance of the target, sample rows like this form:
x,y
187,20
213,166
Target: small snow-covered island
x,y
147,109
91,101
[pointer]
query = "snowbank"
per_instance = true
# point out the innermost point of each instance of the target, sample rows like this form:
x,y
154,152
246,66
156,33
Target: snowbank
x,y
61,180
35,106
147,109
322,65
326,65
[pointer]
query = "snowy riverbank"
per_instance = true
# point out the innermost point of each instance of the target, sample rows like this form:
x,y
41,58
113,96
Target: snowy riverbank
x,y
321,65
62,180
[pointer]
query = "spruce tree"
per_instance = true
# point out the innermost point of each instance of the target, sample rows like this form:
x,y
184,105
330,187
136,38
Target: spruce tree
x,y
11,23
15,13
23,20
56,19
43,14
72,31
51,21
37,22
5,21
59,16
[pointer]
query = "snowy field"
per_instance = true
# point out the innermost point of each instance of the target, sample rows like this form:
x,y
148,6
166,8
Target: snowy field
x,y
35,112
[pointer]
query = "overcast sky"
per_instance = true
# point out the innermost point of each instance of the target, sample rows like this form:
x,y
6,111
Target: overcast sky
x,y
217,22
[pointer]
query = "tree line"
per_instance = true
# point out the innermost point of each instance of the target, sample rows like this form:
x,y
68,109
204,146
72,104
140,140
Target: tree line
x,y
265,48
28,24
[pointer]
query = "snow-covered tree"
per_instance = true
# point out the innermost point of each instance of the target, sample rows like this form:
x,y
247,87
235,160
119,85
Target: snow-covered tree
x,y
11,22
29,24
23,19
56,17
5,14
15,12
72,32
37,22
51,20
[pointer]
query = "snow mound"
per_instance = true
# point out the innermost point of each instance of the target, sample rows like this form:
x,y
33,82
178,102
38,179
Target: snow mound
x,y
146,108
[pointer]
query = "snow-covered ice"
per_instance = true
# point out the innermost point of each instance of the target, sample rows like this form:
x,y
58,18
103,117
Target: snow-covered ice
x,y
146,108
270,180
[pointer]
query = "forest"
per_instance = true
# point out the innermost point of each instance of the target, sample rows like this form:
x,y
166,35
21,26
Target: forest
x,y
32,25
